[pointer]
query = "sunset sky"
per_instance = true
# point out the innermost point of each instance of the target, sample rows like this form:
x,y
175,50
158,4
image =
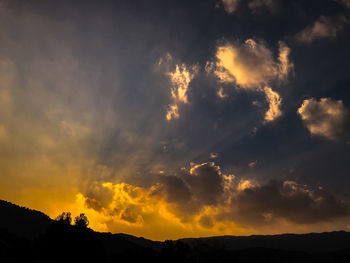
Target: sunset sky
x,y
171,119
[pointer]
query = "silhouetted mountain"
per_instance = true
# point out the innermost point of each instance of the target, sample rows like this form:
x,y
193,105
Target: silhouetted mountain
x,y
312,243
31,236
21,221
140,241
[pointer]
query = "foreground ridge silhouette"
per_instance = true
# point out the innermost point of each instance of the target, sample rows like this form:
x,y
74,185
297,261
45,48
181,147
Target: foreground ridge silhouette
x,y
31,236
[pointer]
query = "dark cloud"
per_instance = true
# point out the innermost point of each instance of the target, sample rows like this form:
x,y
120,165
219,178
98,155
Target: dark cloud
x,y
98,196
190,192
176,189
248,203
93,204
287,200
206,221
206,183
131,214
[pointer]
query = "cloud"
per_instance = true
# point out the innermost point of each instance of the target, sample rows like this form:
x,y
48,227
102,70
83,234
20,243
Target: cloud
x,y
176,189
180,79
221,93
206,221
256,6
285,65
98,195
230,5
253,164
251,64
244,184
185,195
206,182
275,103
124,202
327,117
213,155
191,192
148,212
323,27
205,199
173,112
286,200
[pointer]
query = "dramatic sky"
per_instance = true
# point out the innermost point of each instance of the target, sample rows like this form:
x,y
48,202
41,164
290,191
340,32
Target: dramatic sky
x,y
170,119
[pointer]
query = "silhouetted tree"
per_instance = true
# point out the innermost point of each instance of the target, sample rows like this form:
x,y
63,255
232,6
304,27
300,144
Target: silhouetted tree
x,y
65,218
81,221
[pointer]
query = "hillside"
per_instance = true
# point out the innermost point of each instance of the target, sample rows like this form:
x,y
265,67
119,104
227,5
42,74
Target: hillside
x,y
21,221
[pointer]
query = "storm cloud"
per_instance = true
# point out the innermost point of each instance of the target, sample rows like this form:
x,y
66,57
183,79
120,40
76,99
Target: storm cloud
x,y
287,200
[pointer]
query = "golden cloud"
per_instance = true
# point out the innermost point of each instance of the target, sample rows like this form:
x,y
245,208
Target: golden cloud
x,y
173,112
204,201
275,103
180,80
285,65
149,212
251,65
327,117
221,93
230,5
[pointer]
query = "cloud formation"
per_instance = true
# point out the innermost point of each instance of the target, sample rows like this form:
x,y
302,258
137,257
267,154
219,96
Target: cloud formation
x,y
327,117
286,200
275,103
180,79
285,65
323,27
230,5
206,182
251,66
206,199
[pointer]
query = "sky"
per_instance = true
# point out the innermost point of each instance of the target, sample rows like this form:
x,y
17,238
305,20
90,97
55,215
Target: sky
x,y
173,119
